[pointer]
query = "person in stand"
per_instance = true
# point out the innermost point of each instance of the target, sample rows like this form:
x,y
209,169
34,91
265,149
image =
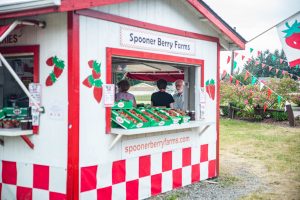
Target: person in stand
x,y
162,98
178,96
123,94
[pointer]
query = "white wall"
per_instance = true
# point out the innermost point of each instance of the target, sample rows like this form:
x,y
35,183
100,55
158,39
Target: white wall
x,y
96,35
51,142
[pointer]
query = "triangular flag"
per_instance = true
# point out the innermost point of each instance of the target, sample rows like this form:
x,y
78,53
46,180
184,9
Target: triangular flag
x,y
258,53
265,107
230,78
270,68
253,81
251,49
278,99
261,85
236,54
237,82
269,93
243,57
246,75
249,60
228,59
256,63
263,65
281,61
273,57
234,64
276,71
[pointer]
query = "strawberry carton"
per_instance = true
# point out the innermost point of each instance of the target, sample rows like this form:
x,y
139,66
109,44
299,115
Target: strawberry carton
x,y
147,121
122,104
125,119
175,119
155,119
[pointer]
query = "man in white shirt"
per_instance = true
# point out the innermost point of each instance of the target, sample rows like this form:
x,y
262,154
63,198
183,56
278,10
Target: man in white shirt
x,y
178,97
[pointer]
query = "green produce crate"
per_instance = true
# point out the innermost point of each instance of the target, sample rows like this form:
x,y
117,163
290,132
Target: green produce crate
x,y
175,119
183,118
148,119
124,122
168,120
2,114
122,104
159,122
15,112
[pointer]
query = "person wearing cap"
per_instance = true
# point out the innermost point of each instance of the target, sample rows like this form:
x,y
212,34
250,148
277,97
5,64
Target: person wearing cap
x,y
162,98
178,96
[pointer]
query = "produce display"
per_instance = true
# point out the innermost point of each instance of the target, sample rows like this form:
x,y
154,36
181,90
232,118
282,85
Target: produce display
x,y
128,117
13,117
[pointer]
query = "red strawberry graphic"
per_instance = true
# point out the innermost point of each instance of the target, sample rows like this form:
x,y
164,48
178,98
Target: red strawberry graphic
x,y
212,89
91,63
292,37
87,83
95,74
207,88
98,93
49,82
57,71
49,61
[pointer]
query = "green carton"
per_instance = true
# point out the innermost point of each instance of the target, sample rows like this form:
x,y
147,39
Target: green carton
x,y
147,121
168,120
175,119
123,104
155,119
15,112
124,122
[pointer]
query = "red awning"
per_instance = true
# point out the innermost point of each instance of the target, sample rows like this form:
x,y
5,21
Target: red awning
x,y
8,28
154,76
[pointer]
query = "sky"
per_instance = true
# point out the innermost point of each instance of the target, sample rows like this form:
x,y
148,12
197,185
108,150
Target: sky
x,y
253,17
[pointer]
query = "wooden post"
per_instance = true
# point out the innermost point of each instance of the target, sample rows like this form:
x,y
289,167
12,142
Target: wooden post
x,y
230,111
290,113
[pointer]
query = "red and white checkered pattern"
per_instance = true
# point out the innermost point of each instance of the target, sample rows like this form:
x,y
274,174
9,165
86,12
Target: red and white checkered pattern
x,y
24,181
145,176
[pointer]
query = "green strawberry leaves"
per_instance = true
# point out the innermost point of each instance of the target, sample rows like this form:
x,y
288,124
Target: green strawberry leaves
x,y
295,28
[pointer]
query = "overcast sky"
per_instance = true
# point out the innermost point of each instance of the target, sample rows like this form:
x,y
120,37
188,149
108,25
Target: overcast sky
x,y
252,17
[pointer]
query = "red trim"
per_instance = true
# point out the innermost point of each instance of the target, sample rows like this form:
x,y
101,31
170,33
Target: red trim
x,y
110,52
145,25
35,49
73,107
66,5
28,141
294,62
218,110
214,20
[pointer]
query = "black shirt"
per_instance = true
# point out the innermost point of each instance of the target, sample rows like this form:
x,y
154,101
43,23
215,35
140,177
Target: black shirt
x,y
161,99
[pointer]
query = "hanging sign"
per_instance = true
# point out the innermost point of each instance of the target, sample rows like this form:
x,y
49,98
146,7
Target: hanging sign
x,y
150,40
35,90
109,95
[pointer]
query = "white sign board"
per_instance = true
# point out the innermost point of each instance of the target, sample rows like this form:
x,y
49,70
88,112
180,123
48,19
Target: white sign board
x,y
109,95
35,90
151,40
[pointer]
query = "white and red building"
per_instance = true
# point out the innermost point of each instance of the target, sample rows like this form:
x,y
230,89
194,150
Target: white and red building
x,y
75,154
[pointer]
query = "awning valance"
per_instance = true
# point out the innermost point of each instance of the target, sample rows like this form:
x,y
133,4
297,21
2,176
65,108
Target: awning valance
x,y
154,76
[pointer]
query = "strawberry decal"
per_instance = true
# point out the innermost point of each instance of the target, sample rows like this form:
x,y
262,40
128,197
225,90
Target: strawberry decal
x,y
58,69
292,37
210,88
94,80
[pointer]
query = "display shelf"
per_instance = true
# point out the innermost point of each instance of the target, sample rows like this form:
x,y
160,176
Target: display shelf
x,y
14,132
204,125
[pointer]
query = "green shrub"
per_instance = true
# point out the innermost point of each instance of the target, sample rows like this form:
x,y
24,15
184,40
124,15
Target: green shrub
x,y
224,111
279,116
295,98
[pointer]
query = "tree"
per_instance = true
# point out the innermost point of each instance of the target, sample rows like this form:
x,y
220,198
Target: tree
x,y
273,60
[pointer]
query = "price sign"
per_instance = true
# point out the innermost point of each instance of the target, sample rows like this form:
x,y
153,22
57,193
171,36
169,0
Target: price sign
x,y
109,95
35,90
